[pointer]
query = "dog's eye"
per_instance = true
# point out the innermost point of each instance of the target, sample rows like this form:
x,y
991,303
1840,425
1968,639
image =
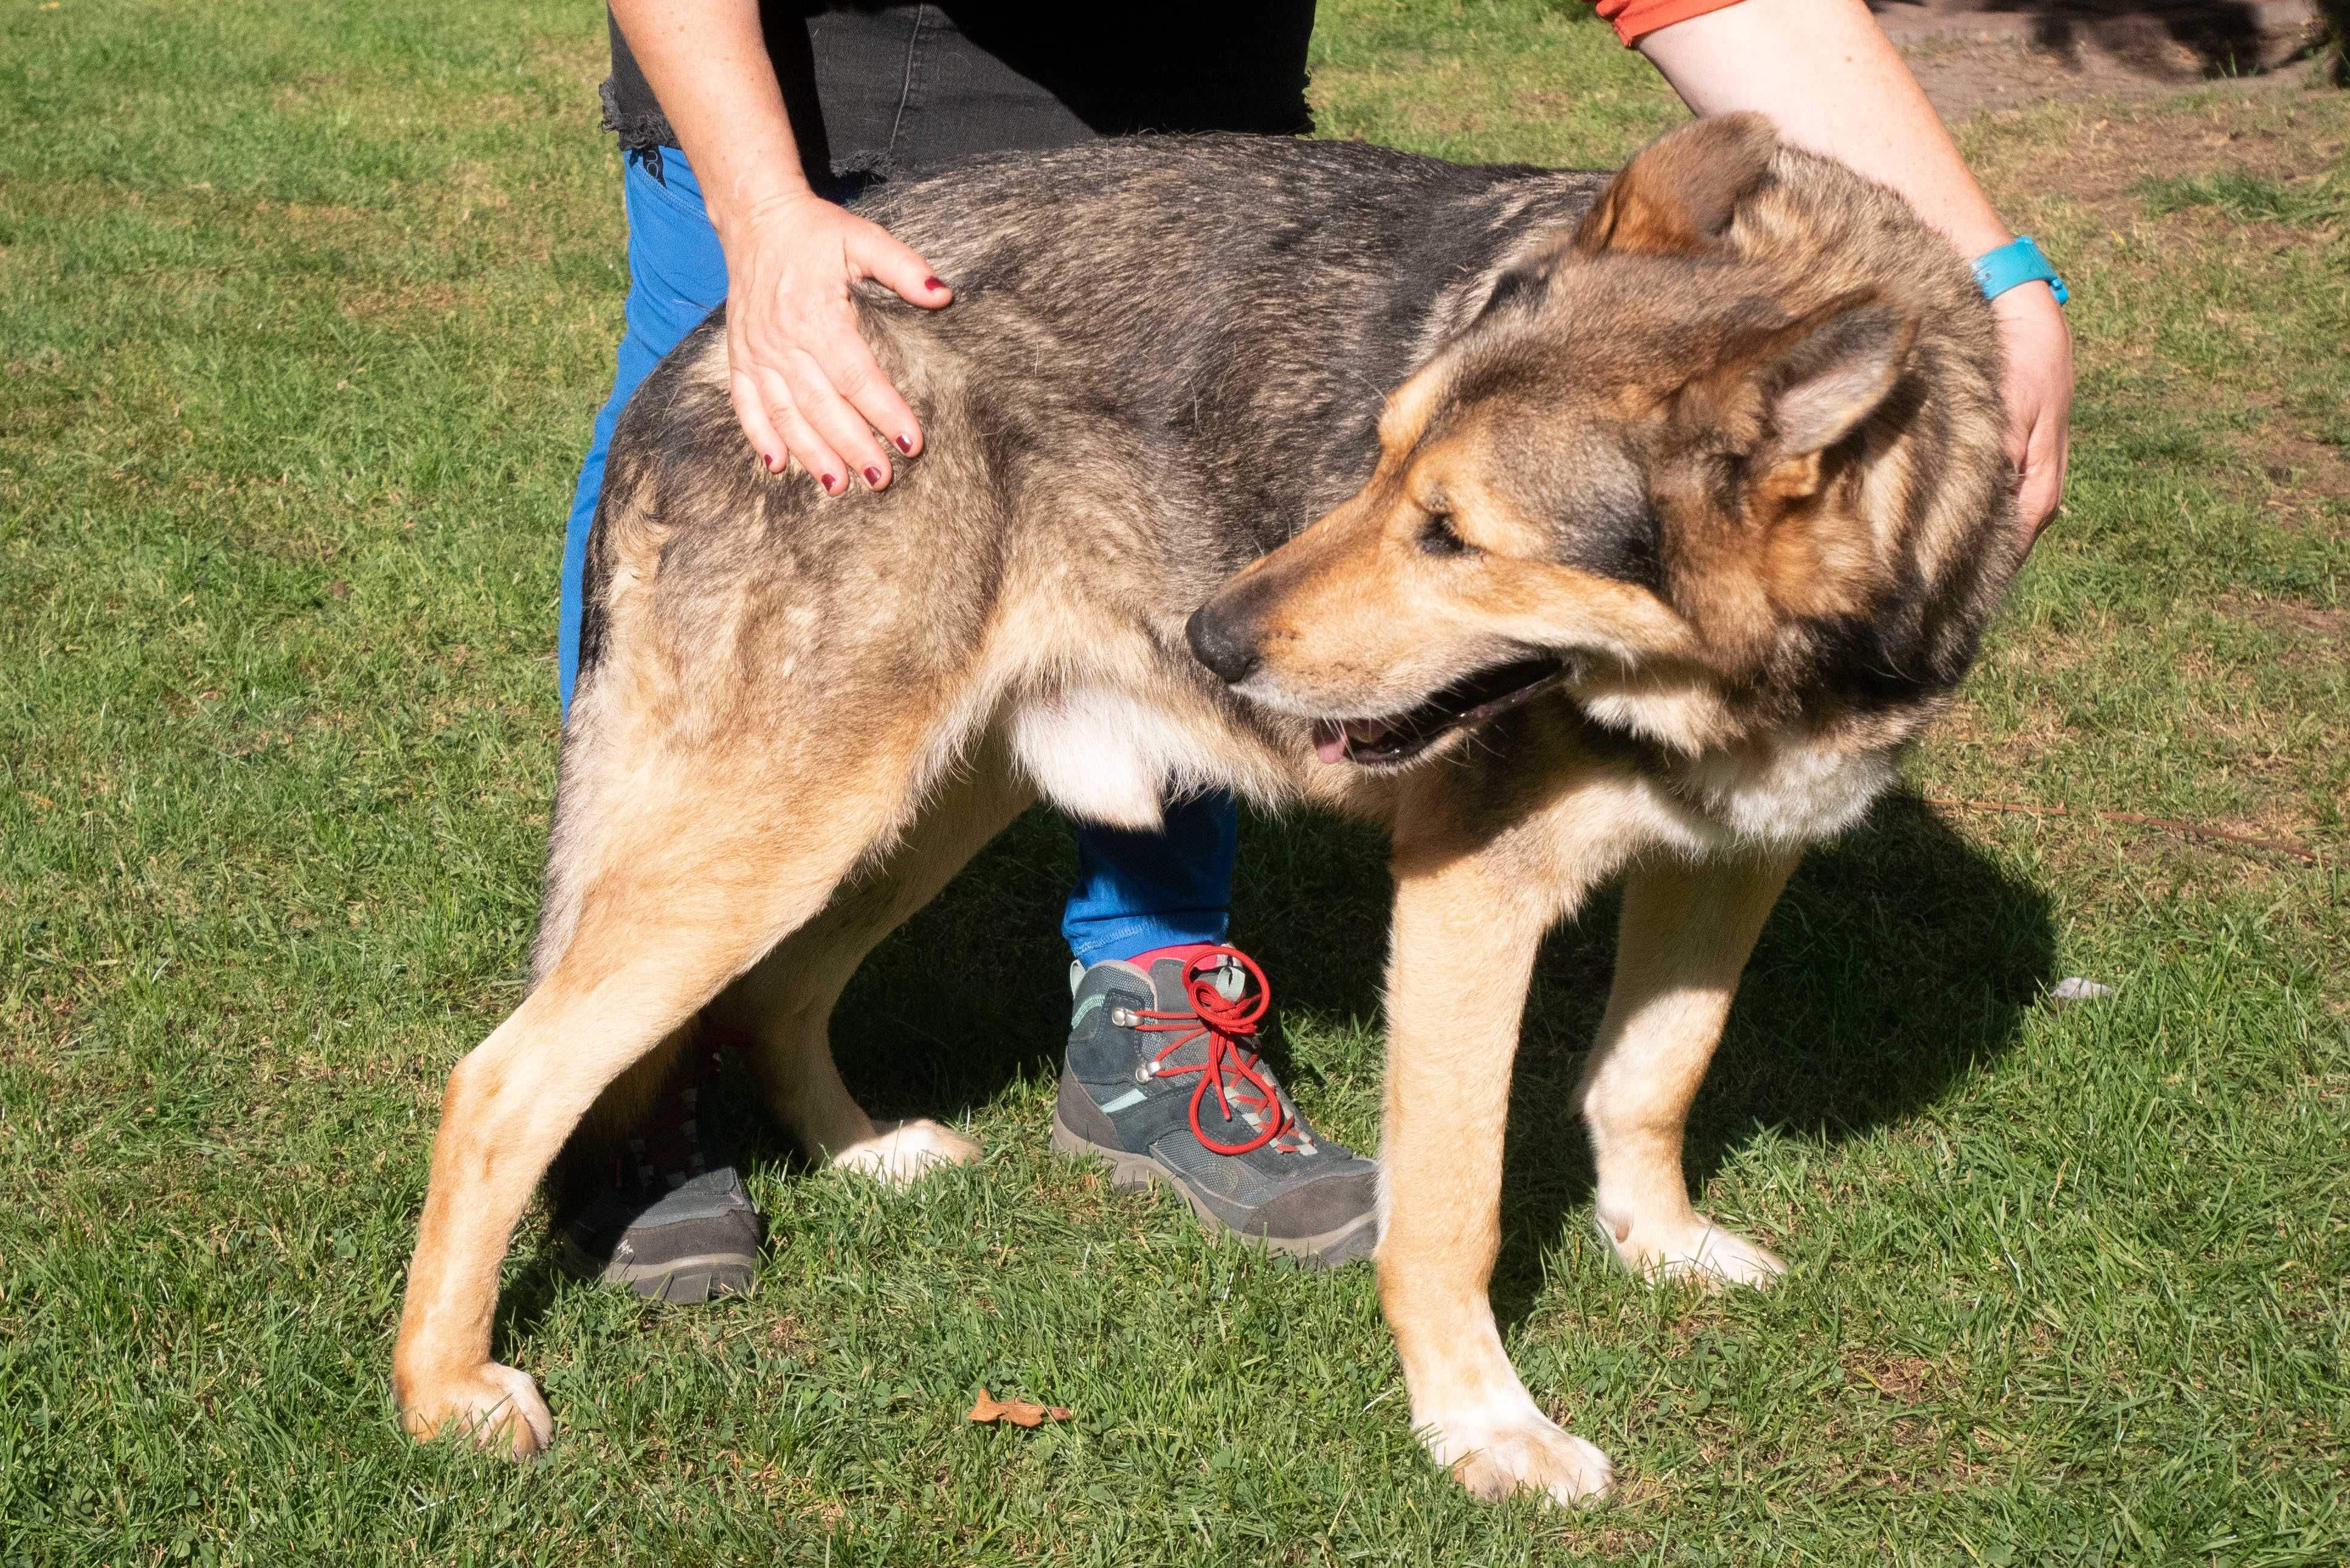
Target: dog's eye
x,y
1437,538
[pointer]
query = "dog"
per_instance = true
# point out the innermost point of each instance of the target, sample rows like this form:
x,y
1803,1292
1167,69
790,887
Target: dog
x,y
1570,527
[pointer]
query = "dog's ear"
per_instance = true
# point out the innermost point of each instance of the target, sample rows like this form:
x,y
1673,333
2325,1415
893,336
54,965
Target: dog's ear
x,y
1679,193
1820,376
1784,395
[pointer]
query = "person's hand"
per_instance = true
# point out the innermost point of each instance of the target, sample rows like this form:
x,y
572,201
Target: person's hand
x,y
2038,390
804,385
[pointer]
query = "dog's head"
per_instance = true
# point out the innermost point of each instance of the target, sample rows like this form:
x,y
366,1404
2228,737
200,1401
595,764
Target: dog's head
x,y
1729,451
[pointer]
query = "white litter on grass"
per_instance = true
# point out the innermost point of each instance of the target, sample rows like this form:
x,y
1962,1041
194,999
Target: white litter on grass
x,y
2073,989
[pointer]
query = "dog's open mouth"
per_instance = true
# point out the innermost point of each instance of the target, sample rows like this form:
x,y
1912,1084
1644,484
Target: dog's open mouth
x,y
1385,742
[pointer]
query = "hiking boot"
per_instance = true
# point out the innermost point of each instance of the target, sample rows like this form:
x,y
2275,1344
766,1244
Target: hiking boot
x,y
1159,1082
682,1245
664,1224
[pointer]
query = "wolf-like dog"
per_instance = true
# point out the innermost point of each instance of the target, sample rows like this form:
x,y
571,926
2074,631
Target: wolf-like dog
x,y
1570,527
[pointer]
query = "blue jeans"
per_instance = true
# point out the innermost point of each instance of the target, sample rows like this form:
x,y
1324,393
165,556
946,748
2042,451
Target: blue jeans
x,y
1135,891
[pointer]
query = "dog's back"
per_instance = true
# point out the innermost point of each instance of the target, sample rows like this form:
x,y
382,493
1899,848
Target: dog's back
x,y
1249,303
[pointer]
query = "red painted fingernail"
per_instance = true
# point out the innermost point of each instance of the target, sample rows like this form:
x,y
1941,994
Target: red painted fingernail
x,y
873,477
828,481
775,464
906,445
934,285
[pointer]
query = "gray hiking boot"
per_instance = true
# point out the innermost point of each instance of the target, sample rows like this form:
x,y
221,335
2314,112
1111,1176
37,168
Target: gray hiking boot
x,y
1160,1084
698,1239
657,1218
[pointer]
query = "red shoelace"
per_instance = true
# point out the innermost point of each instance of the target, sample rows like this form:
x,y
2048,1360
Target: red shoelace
x,y
1226,1022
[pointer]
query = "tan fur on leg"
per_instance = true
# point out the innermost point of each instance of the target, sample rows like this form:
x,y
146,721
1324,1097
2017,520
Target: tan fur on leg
x,y
794,1065
1464,946
785,1004
1686,932
508,1108
681,892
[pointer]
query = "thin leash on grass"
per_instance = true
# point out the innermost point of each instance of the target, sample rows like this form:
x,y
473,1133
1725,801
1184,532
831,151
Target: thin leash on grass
x,y
2301,852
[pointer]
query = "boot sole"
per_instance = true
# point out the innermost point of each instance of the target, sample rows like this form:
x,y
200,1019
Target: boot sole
x,y
1131,1172
682,1282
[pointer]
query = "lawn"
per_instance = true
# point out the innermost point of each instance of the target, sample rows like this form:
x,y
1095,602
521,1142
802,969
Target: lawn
x,y
304,313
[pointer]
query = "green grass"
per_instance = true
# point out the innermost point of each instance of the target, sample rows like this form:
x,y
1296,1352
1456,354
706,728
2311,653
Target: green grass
x,y
2245,196
304,312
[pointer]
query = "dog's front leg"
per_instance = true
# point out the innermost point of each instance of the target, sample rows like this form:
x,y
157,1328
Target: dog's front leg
x,y
1686,934
1465,936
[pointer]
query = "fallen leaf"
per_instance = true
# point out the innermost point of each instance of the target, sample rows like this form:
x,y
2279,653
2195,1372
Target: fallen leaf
x,y
988,1410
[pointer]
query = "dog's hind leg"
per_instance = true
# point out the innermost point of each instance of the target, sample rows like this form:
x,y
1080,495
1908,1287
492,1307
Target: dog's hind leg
x,y
687,879
1686,934
785,1004
585,1164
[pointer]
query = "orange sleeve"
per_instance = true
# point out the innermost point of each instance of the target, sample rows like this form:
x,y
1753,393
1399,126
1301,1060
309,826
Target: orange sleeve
x,y
1636,19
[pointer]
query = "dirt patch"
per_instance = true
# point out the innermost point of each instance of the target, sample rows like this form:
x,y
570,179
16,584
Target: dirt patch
x,y
1964,78
2144,195
1905,1379
2107,160
435,299
2308,486
310,90
2296,618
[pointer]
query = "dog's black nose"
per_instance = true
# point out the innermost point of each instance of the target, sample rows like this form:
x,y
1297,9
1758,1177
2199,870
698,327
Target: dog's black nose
x,y
1229,655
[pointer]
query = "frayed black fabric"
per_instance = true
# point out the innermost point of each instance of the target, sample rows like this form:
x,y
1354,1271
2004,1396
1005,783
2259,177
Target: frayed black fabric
x,y
639,131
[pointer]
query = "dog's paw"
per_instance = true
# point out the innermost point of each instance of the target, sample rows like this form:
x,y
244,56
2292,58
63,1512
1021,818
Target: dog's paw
x,y
1693,1249
900,1153
494,1406
1525,1451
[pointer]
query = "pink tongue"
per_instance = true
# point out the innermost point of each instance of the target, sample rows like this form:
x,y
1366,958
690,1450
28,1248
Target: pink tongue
x,y
1330,743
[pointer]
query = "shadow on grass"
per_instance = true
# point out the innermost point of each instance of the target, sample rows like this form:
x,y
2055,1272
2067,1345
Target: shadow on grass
x,y
2218,37
1897,960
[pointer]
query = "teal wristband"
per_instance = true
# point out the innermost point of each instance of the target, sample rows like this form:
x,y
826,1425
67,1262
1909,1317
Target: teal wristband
x,y
2013,265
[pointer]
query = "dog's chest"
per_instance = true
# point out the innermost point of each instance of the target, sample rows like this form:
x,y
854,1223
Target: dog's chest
x,y
1783,788
1789,794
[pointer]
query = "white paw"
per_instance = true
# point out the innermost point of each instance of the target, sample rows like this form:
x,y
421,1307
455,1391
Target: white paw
x,y
1693,1249
1522,1451
900,1153
496,1407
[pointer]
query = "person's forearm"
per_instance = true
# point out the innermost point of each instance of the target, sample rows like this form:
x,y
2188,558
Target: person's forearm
x,y
708,65
1821,71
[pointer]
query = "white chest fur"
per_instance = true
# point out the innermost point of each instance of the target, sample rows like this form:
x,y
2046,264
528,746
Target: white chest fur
x,y
1783,788
1788,794
1110,756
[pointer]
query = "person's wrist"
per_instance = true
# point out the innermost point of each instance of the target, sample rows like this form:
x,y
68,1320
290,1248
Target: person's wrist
x,y
782,207
1972,239
2015,267
2033,300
